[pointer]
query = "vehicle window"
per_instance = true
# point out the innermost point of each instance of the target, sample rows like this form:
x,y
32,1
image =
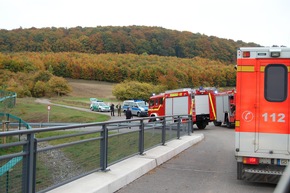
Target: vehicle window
x,y
151,102
161,101
156,102
141,103
275,84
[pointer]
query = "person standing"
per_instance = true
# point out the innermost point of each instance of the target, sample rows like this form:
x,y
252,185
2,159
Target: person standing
x,y
119,107
112,108
128,113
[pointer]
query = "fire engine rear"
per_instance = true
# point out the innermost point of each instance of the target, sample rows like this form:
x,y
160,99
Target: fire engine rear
x,y
262,143
225,108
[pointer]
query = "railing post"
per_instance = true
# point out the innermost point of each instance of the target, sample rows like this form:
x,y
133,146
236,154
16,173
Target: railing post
x,y
104,148
7,181
34,164
178,127
190,125
141,137
163,131
29,165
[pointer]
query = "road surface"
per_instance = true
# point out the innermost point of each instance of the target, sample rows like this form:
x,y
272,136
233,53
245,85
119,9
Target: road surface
x,y
208,167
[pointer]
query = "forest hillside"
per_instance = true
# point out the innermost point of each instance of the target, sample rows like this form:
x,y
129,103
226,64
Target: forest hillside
x,y
170,71
32,59
131,39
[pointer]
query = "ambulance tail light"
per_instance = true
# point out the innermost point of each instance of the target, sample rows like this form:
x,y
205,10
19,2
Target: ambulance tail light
x,y
246,54
251,160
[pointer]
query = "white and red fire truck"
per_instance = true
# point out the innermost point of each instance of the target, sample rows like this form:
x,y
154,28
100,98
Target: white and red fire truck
x,y
196,102
262,140
225,108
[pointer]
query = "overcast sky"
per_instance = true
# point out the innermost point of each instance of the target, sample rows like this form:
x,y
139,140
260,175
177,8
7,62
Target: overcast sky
x,y
266,22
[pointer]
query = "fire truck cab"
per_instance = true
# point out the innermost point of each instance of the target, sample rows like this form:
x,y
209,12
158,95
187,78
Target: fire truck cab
x,y
262,140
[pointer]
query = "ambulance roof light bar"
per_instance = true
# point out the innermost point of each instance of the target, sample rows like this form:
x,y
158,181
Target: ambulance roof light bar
x,y
275,52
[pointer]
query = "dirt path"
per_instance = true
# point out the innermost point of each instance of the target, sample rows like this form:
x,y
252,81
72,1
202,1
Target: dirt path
x,y
47,101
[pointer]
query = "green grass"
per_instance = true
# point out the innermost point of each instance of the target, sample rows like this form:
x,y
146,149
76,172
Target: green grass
x,y
82,102
65,140
10,150
30,111
120,146
72,101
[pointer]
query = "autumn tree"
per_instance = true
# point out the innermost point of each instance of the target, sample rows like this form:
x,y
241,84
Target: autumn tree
x,y
127,39
132,90
43,76
59,86
39,89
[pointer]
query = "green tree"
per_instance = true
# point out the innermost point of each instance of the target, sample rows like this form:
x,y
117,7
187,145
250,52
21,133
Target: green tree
x,y
133,90
39,89
50,69
59,86
43,76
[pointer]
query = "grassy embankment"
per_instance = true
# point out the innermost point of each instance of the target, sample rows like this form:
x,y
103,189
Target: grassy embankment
x,y
30,111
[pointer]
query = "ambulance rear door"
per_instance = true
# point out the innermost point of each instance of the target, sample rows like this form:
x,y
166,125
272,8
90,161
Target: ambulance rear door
x,y
272,108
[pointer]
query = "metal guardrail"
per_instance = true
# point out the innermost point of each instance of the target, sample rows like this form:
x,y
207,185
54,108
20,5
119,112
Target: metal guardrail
x,y
45,124
7,97
14,121
51,157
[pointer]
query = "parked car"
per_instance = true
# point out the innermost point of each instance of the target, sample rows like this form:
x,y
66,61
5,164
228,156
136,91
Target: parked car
x,y
99,106
138,107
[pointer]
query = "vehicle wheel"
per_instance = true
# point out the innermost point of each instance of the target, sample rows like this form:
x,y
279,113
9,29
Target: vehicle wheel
x,y
192,128
229,125
217,123
138,114
201,125
153,119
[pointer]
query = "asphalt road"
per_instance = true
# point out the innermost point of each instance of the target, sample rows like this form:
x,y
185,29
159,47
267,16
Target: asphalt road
x,y
207,167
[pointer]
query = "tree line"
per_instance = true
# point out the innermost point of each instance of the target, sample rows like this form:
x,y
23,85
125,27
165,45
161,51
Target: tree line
x,y
165,59
32,71
122,40
33,84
